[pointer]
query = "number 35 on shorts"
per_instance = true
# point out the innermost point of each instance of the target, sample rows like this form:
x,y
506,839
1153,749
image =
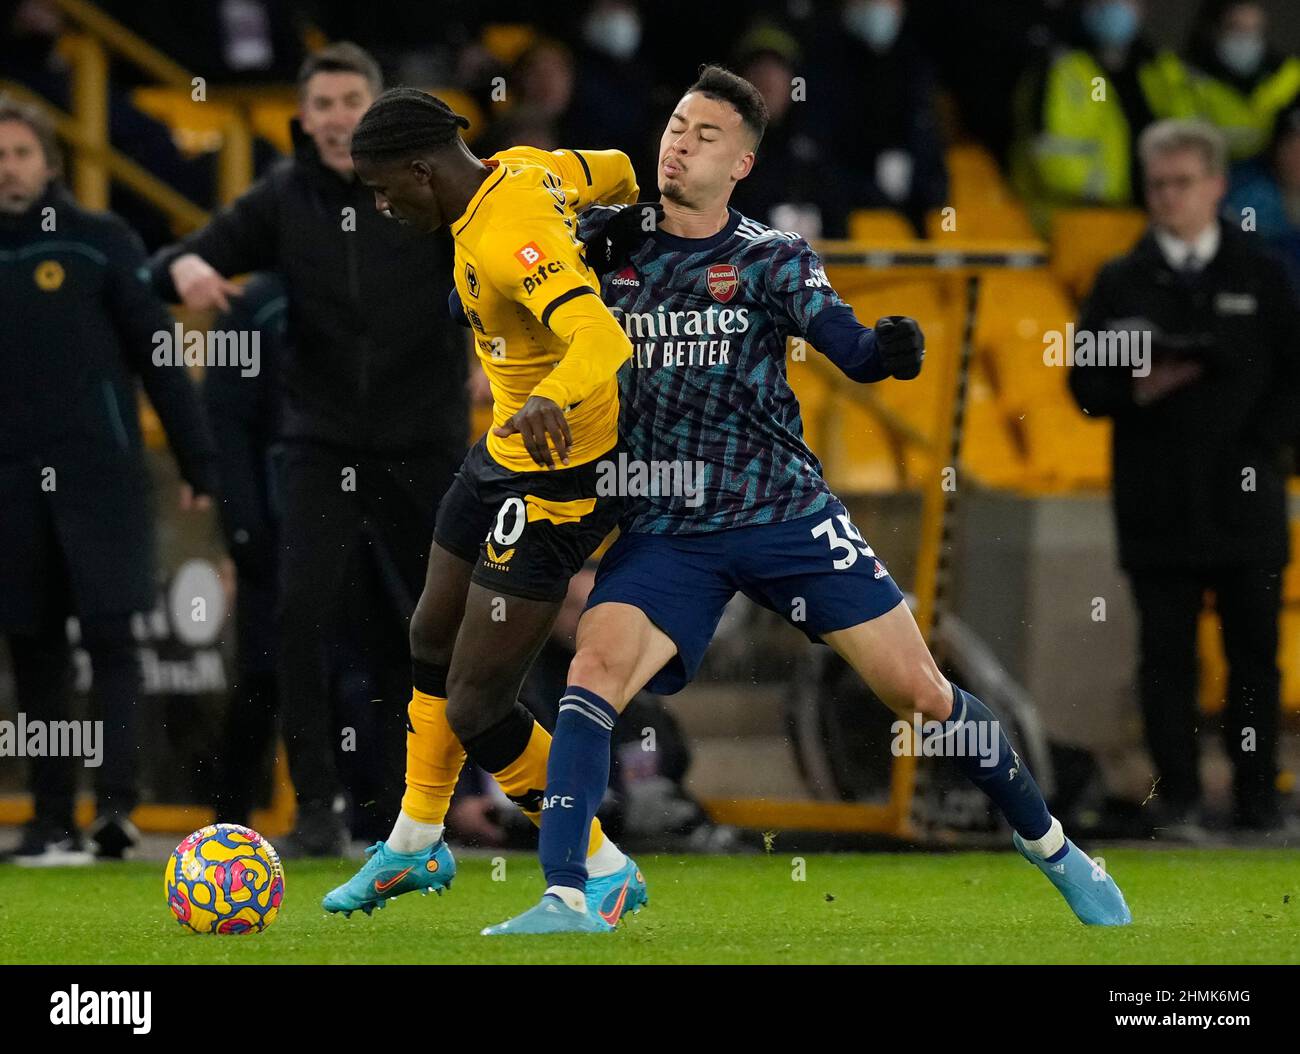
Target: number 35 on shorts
x,y
845,542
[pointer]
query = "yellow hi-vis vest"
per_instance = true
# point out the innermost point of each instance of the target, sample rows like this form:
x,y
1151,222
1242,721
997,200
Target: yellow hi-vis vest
x,y
1246,120
1078,148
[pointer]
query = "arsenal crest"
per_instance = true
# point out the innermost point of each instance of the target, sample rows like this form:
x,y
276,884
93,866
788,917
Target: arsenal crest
x,y
722,281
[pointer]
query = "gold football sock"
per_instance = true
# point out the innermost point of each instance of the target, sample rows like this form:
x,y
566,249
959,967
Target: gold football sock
x,y
528,773
434,758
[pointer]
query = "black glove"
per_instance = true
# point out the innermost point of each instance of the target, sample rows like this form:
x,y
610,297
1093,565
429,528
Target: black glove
x,y
902,346
622,236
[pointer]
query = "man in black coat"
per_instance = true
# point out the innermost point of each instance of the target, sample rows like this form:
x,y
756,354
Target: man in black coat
x,y
375,416
1200,429
81,329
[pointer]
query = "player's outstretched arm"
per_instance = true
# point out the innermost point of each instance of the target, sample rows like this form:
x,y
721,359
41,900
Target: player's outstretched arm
x,y
797,280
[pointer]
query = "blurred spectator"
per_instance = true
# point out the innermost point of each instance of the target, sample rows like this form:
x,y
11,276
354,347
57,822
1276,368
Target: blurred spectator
x,y
1241,84
615,98
245,412
29,37
1199,484
77,531
1270,187
539,90
872,92
375,417
797,188
1079,114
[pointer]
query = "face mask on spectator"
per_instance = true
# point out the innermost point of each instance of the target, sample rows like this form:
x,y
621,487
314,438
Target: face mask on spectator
x,y
616,33
874,22
1241,52
1113,24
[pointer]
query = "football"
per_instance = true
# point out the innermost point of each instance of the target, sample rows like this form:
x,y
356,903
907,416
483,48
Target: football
x,y
224,878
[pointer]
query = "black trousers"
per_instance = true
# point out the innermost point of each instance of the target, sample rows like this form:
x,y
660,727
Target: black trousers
x,y
1248,601
42,665
354,543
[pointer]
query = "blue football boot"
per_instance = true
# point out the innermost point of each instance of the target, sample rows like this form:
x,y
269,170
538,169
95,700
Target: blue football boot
x,y
387,874
614,895
550,915
1090,892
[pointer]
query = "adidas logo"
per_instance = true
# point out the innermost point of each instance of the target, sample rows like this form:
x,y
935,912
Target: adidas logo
x,y
1059,868
880,570
627,276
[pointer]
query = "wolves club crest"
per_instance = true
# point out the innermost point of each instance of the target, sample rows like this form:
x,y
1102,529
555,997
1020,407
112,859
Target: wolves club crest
x,y
722,281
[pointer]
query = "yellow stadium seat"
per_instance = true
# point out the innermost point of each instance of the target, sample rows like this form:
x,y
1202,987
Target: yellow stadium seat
x,y
983,220
196,127
865,458
1022,380
974,177
1084,239
989,450
1020,306
879,226
1065,449
855,449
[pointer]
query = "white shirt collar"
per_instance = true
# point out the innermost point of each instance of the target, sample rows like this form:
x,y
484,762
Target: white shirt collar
x,y
1176,251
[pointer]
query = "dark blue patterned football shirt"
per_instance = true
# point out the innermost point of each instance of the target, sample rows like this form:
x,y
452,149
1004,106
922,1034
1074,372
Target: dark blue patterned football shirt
x,y
712,428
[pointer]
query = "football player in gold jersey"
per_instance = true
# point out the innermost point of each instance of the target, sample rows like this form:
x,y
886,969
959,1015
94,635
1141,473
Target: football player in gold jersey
x,y
524,512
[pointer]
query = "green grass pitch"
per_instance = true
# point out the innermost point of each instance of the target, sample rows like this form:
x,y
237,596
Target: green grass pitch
x,y
1224,906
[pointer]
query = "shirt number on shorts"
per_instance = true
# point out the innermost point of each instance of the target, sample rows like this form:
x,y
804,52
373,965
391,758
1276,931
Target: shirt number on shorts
x,y
512,512
850,546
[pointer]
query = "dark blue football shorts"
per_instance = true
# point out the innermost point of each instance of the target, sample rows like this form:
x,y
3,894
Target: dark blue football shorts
x,y
817,572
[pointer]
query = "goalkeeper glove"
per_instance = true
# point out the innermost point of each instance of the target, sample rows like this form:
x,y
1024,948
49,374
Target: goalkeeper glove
x,y
902,346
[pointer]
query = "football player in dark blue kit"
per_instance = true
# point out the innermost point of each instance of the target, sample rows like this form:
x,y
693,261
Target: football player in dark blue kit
x,y
726,497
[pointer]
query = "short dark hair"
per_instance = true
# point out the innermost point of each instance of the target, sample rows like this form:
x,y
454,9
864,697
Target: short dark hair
x,y
35,118
718,82
404,123
343,57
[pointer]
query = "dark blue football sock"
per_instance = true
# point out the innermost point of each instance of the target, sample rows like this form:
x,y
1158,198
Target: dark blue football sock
x,y
577,774
989,762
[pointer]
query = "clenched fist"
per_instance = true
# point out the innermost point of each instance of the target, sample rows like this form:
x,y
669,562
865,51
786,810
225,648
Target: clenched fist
x,y
902,346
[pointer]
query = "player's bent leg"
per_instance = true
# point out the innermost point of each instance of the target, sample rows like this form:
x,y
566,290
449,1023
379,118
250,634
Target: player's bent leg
x,y
499,639
434,755
890,655
618,650
415,856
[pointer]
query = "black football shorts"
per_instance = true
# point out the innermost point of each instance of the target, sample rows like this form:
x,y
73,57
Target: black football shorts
x,y
527,533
